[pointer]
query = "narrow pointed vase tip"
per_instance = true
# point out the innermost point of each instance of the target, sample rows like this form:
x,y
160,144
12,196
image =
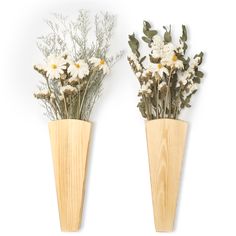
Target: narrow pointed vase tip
x,y
166,143
69,144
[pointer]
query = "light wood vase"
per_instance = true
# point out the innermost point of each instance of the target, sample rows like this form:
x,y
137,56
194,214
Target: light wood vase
x,y
69,143
166,143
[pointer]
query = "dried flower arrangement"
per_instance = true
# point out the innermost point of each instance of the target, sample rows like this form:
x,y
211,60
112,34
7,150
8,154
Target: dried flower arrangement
x,y
168,78
74,68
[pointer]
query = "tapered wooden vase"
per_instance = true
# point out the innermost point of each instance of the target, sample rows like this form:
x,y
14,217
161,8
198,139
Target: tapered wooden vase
x,y
69,143
166,143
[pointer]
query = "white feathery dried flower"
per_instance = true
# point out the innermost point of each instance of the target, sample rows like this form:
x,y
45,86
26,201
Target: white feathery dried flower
x,y
68,90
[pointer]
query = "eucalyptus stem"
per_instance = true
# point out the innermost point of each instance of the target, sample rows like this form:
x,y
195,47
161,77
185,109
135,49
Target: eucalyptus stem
x,y
167,94
48,85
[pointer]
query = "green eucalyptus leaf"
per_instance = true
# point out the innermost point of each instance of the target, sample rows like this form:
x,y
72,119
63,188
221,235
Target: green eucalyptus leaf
x,y
146,40
197,80
134,44
142,109
184,33
188,105
201,54
154,60
146,25
167,37
142,59
151,33
199,74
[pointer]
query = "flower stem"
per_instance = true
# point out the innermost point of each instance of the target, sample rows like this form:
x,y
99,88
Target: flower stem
x,y
85,92
64,99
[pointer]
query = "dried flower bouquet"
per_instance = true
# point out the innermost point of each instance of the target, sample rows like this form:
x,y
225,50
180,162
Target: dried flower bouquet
x,y
168,78
73,72
74,67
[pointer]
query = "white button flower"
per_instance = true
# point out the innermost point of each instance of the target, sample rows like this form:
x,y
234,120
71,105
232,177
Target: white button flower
x,y
68,90
145,88
183,79
134,59
193,88
100,63
180,49
157,42
78,69
157,47
195,62
55,67
138,74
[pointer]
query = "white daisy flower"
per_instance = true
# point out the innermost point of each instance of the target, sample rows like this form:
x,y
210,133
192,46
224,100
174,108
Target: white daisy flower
x,y
173,61
78,69
55,67
160,69
100,63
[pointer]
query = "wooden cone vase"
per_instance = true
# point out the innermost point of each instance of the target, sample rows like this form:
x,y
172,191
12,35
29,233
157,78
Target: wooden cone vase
x,y
166,143
69,143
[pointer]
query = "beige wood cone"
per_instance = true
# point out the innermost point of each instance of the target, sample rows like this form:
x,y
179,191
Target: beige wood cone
x,y
166,142
69,143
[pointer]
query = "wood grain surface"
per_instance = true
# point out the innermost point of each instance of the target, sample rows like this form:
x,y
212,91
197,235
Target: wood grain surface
x,y
166,142
69,143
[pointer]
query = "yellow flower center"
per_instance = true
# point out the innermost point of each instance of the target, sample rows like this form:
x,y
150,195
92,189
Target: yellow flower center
x,y
77,65
54,66
102,62
159,66
174,58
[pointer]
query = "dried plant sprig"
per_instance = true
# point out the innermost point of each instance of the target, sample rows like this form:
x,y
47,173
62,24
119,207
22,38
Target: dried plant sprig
x,y
168,78
74,67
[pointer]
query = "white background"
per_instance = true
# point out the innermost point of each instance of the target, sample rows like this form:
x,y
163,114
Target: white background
x,y
118,195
